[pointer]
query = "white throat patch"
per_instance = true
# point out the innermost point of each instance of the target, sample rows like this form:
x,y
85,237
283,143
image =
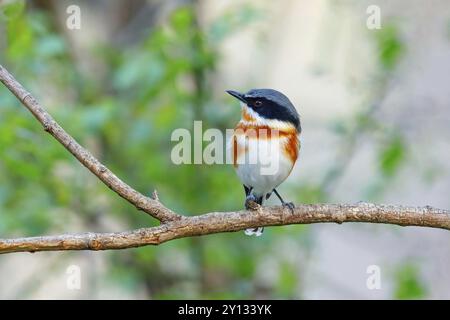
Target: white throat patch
x,y
260,121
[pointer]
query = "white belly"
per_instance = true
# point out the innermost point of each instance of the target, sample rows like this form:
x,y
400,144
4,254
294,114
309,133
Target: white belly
x,y
264,165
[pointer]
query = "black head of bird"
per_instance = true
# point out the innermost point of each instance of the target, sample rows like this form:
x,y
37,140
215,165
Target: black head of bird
x,y
269,104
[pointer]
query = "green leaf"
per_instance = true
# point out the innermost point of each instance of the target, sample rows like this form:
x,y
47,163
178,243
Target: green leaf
x,y
12,9
390,46
287,281
392,155
182,19
408,284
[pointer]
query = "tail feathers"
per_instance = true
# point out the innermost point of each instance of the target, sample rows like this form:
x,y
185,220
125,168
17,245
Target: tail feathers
x,y
254,231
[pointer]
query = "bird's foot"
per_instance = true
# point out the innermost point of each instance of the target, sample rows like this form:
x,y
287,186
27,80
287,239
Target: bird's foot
x,y
250,203
289,205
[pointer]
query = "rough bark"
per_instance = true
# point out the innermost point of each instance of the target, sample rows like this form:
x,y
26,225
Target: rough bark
x,y
174,226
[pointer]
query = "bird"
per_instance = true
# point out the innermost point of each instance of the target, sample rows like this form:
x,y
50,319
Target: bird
x,y
267,133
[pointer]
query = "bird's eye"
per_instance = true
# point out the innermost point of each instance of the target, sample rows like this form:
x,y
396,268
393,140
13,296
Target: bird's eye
x,y
258,103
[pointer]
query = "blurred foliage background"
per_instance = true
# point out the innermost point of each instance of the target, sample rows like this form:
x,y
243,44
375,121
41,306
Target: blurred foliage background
x,y
158,69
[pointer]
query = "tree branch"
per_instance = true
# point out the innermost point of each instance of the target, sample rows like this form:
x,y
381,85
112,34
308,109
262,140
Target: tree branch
x,y
216,222
174,226
151,206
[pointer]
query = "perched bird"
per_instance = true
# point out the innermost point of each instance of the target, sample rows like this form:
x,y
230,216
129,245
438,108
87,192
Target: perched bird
x,y
265,145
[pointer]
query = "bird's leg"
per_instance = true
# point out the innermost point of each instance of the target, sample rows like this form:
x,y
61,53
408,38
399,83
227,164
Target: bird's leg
x,y
252,203
289,205
247,190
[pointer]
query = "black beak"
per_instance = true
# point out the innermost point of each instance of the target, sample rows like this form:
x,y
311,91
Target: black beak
x,y
237,95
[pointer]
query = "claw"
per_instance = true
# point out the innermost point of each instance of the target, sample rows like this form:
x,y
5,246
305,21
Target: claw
x,y
289,205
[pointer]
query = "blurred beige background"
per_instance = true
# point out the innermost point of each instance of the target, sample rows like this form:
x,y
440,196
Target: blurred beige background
x,y
321,55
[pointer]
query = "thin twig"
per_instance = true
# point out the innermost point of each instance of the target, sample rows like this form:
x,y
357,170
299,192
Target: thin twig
x,y
150,206
175,226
